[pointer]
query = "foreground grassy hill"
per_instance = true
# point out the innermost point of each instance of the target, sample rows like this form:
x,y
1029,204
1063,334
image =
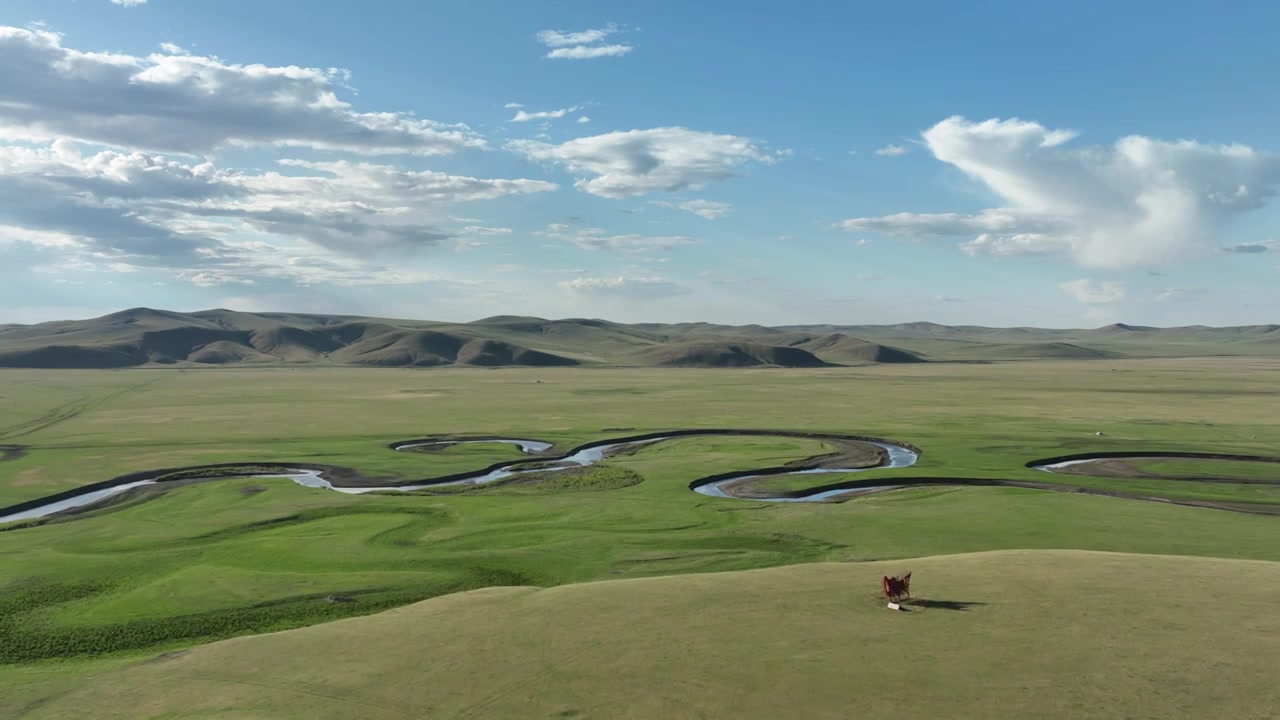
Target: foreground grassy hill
x,y
1045,634
145,337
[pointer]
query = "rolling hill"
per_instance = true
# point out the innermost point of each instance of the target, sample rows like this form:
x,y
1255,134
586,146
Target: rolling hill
x,y
725,354
147,337
1044,634
1046,350
840,348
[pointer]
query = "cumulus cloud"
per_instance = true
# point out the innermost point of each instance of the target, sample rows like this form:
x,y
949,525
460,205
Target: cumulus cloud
x,y
584,119
1094,292
560,38
638,288
598,239
891,151
148,210
523,116
636,162
129,3
1140,201
581,45
185,103
706,209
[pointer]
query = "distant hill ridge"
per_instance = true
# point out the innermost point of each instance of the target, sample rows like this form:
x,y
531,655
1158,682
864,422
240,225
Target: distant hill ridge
x,y
219,337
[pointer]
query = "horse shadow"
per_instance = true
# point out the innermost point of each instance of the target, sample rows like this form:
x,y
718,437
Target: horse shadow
x,y
958,605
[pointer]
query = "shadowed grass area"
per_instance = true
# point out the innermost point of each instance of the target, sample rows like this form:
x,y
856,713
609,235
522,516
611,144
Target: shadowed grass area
x,y
578,479
1046,634
1208,468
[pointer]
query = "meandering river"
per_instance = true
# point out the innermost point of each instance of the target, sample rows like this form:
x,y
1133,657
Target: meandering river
x,y
898,456
895,455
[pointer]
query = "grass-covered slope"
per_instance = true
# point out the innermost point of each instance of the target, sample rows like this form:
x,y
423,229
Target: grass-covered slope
x,y
1044,634
220,337
726,354
143,336
1044,351
842,349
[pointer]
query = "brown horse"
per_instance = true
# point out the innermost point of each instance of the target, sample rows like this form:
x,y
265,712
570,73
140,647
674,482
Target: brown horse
x,y
896,587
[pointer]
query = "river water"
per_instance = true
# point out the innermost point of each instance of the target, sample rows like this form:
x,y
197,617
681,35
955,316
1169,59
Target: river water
x,y
898,457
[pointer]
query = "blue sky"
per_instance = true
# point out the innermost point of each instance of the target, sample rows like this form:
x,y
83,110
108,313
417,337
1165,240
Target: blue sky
x,y
1007,164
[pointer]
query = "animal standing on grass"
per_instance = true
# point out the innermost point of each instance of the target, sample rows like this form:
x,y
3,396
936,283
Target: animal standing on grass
x,y
895,588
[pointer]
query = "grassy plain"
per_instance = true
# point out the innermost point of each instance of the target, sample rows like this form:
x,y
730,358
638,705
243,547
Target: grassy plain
x,y
248,555
1209,468
1043,634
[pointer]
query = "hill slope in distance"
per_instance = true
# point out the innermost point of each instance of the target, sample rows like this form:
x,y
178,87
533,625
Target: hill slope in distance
x,y
147,337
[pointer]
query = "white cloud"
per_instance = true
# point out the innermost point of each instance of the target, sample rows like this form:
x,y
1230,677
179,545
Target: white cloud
x,y
918,225
892,150
1094,292
705,209
129,3
192,104
560,38
635,162
584,119
513,105
523,116
1141,201
597,239
150,211
581,45
622,286
1015,244
583,52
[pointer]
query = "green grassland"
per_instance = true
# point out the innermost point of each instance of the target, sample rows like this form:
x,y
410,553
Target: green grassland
x,y
229,557
1063,634
1209,468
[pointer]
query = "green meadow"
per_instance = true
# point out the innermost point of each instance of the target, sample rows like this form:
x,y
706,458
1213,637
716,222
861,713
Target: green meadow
x,y
88,603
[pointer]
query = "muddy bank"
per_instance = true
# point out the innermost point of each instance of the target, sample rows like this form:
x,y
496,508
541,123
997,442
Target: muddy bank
x,y
1145,455
1121,465
444,442
859,488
